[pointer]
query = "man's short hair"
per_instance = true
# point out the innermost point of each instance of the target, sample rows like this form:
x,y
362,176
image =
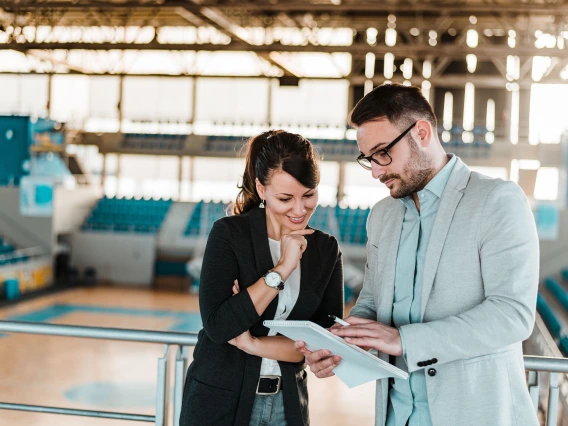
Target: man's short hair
x,y
400,105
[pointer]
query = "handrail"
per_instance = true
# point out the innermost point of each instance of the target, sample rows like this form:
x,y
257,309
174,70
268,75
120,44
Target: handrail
x,y
146,336
544,363
534,364
182,340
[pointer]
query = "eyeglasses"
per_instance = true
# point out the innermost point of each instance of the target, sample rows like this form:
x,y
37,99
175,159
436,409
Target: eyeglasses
x,y
382,156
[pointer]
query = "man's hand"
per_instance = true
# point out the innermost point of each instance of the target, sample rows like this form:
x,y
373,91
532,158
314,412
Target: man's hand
x,y
369,334
320,362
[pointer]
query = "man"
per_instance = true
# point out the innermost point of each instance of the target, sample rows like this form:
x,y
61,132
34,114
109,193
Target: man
x,y
451,277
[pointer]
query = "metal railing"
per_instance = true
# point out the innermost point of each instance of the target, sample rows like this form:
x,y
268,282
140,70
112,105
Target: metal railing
x,y
535,365
181,340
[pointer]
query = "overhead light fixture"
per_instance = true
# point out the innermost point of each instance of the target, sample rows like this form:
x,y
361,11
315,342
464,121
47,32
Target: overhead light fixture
x,y
372,36
515,109
448,110
490,117
433,40
564,73
388,70
407,71
370,65
390,37
513,67
426,86
368,86
427,69
540,67
469,107
471,61
512,40
472,38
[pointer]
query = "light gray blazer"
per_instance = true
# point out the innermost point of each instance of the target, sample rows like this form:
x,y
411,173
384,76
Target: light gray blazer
x,y
478,301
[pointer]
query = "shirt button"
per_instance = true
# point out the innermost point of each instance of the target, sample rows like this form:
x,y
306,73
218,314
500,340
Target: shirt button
x,y
432,372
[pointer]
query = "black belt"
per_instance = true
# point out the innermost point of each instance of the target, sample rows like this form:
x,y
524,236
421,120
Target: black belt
x,y
269,385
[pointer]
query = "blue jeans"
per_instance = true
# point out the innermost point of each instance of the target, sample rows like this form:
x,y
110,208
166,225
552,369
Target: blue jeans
x,y
268,410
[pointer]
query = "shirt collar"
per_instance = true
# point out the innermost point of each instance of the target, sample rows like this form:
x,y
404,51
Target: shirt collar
x,y
438,183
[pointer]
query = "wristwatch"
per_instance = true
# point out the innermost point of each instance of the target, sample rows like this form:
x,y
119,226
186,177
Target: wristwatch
x,y
274,280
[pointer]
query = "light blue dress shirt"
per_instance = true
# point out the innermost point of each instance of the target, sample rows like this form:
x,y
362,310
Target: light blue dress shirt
x,y
408,399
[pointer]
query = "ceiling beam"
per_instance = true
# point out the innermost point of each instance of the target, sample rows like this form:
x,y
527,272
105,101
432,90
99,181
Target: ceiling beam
x,y
48,57
369,7
358,50
447,80
225,25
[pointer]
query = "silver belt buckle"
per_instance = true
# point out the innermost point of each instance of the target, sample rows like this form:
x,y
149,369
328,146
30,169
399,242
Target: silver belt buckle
x,y
278,385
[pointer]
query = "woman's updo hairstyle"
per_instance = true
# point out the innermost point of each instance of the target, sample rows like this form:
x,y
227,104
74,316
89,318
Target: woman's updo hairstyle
x,y
276,150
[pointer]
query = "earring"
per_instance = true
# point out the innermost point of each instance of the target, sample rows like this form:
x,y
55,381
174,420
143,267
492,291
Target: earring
x,y
261,204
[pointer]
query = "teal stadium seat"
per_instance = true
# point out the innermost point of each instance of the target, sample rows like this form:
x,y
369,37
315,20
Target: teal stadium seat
x,y
127,215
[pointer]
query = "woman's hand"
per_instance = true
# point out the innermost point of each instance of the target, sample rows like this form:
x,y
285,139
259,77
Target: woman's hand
x,y
245,342
292,246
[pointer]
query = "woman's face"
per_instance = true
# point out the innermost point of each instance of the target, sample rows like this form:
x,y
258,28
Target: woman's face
x,y
288,202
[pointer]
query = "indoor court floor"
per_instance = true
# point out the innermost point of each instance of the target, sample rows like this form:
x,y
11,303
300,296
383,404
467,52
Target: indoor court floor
x,y
121,376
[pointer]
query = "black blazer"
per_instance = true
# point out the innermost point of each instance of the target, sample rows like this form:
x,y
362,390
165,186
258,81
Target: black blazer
x,y
221,381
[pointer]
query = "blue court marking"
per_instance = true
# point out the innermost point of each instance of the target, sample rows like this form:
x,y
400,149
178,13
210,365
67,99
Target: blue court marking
x,y
114,395
108,394
184,321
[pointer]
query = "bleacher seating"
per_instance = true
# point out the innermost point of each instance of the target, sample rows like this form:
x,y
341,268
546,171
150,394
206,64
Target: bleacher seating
x,y
553,324
352,225
557,291
348,225
127,215
9,254
339,147
549,316
325,220
154,141
202,218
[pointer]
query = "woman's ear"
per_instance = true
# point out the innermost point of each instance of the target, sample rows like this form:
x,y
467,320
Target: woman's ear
x,y
259,189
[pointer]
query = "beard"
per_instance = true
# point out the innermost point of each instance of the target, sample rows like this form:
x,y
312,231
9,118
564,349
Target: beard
x,y
417,173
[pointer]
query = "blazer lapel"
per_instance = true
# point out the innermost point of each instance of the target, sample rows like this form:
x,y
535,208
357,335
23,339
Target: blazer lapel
x,y
386,262
450,199
263,258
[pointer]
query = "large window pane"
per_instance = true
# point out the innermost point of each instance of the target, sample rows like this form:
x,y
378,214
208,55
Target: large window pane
x,y
157,99
232,99
313,101
70,99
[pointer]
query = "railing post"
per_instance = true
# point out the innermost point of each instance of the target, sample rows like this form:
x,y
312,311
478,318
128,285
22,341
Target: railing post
x,y
185,355
162,389
178,383
534,388
552,412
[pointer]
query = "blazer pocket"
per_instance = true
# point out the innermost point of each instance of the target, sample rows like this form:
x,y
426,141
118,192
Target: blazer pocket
x,y
209,405
487,357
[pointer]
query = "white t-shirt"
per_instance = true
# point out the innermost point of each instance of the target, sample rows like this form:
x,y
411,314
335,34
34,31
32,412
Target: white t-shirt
x,y
287,298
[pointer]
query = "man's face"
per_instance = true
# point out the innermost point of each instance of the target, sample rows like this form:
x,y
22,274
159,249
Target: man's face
x,y
411,167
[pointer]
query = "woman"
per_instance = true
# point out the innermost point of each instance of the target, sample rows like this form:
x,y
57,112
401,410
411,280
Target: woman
x,y
262,263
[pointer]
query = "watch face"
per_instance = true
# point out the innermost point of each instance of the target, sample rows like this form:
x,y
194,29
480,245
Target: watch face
x,y
272,279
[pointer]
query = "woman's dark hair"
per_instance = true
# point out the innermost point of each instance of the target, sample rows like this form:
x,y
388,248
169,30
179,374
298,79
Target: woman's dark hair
x,y
275,150
400,105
